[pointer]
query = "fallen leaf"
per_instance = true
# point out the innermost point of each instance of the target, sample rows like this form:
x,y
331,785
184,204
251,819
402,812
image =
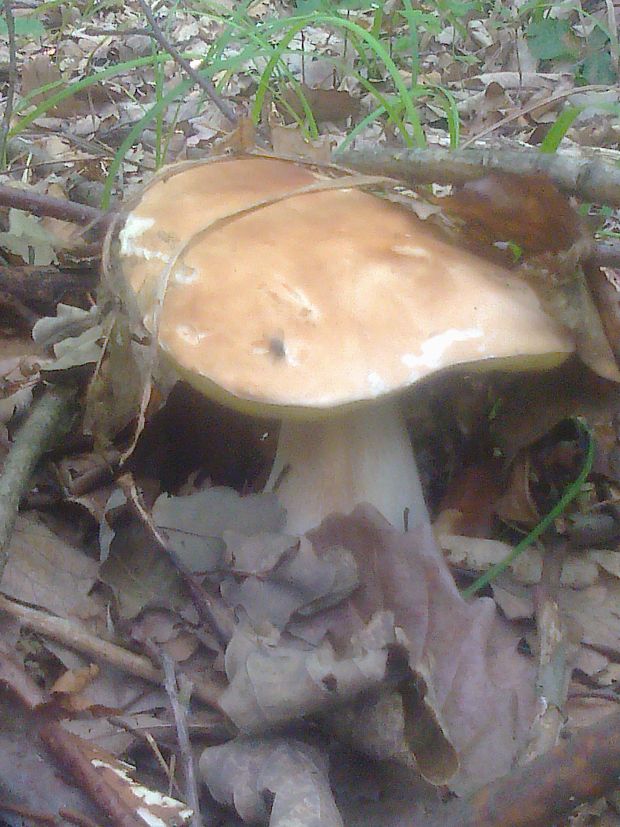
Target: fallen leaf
x,y
477,684
194,525
282,781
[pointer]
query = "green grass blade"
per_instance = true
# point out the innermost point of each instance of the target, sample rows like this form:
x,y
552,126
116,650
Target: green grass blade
x,y
569,495
564,121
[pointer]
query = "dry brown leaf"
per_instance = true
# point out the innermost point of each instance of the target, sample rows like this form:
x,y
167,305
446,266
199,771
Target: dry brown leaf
x,y
274,681
326,104
289,141
280,781
75,680
477,684
46,571
40,71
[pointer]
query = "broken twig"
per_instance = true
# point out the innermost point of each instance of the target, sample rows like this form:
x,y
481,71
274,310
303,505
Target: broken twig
x,y
69,634
46,205
40,430
203,82
592,179
581,768
185,748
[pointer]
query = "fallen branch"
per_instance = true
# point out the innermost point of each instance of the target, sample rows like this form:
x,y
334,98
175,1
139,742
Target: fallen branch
x,y
590,179
537,795
41,288
69,634
68,752
44,424
46,205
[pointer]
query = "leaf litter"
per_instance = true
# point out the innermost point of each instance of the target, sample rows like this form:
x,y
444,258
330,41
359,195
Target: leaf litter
x,y
351,611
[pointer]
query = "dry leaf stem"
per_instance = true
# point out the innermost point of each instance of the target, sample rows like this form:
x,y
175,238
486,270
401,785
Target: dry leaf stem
x,y
41,429
592,179
213,614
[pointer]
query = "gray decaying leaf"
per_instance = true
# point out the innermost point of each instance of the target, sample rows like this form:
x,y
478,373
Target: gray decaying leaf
x,y
194,525
117,389
469,699
249,774
69,322
477,684
272,684
275,577
141,575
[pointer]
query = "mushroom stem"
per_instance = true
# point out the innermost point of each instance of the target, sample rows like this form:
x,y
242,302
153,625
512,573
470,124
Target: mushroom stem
x,y
334,464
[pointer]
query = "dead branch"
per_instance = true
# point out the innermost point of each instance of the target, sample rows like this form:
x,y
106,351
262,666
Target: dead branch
x,y
40,430
203,82
71,635
67,750
45,205
579,769
41,288
592,179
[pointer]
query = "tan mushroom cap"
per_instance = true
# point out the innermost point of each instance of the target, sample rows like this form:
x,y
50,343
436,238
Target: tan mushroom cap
x,y
319,300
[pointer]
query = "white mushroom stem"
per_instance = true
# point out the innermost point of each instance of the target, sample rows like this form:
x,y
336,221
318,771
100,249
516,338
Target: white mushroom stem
x,y
334,464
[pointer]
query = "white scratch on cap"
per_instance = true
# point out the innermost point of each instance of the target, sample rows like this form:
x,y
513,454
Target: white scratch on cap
x,y
135,226
186,275
433,350
411,250
376,383
190,335
291,295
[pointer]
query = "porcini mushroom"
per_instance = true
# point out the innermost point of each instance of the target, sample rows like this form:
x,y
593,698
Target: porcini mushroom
x,y
321,308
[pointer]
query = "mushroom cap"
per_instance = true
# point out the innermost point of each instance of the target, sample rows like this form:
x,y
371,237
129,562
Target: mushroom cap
x,y
317,300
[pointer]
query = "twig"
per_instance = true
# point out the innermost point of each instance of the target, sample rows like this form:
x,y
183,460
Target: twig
x,y
71,635
215,616
76,818
532,107
45,205
68,751
180,719
606,253
578,769
203,82
555,662
590,179
42,427
41,288
10,95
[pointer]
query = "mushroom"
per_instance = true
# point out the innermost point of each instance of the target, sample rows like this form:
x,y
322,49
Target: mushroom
x,y
321,308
